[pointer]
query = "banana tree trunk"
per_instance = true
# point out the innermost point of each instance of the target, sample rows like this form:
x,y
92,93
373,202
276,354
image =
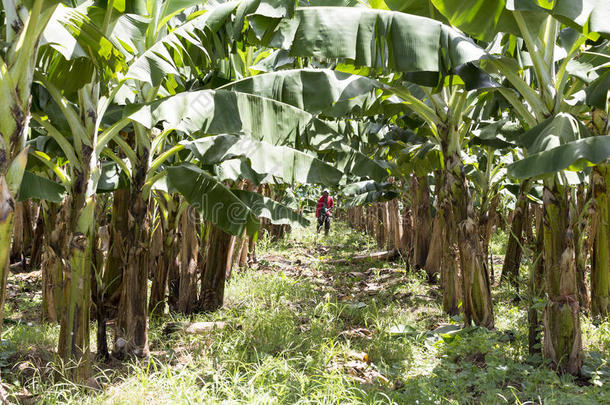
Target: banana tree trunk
x,y
99,247
535,284
450,277
407,235
132,319
582,226
56,227
73,345
37,241
7,214
17,248
173,273
167,259
562,335
476,288
156,304
387,226
187,299
435,252
380,226
488,221
25,26
512,257
450,280
213,279
243,251
421,219
396,220
23,231
231,255
600,266
251,250
117,254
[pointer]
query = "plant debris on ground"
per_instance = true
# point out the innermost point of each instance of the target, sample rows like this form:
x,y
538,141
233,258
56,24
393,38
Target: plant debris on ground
x,y
298,329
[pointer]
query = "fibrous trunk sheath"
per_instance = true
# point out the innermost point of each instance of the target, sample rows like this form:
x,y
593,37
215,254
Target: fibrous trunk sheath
x,y
435,252
600,266
73,345
187,299
535,292
476,288
213,279
117,253
421,220
166,260
7,212
562,336
450,265
512,258
56,229
133,315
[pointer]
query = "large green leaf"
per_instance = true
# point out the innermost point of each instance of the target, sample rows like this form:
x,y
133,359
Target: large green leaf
x,y
221,112
317,90
276,60
591,64
159,60
420,158
597,91
424,8
111,178
264,207
589,15
371,197
314,90
375,38
74,35
351,161
37,187
574,155
558,143
364,187
281,161
239,168
213,200
269,8
483,19
497,134
331,143
74,47
172,7
553,132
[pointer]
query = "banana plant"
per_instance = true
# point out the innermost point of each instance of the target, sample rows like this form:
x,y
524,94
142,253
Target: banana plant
x,y
23,25
544,107
430,53
82,142
593,70
164,53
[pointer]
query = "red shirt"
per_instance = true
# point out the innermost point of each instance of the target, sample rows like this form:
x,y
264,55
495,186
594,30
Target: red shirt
x,y
330,203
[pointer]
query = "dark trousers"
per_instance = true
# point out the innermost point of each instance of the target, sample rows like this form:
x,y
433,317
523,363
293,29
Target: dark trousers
x,y
324,220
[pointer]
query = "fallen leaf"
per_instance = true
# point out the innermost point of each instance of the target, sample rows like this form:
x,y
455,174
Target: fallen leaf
x,y
204,327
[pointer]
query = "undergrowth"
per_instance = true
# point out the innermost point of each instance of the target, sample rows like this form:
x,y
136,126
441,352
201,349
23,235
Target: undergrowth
x,y
300,330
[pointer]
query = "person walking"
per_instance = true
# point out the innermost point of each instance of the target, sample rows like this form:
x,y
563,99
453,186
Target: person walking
x,y
323,213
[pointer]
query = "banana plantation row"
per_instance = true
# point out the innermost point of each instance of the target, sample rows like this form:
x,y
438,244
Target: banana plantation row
x,y
150,139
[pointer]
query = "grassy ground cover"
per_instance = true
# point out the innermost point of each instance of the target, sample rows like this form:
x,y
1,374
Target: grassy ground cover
x,y
297,329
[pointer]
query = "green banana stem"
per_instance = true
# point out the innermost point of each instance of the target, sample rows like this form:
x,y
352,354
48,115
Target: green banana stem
x,y
7,213
600,269
74,333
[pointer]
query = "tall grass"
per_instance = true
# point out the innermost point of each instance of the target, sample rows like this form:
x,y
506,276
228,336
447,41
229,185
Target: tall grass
x,y
294,339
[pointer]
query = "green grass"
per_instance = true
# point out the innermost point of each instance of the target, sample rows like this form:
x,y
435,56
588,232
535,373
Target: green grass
x,y
300,333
